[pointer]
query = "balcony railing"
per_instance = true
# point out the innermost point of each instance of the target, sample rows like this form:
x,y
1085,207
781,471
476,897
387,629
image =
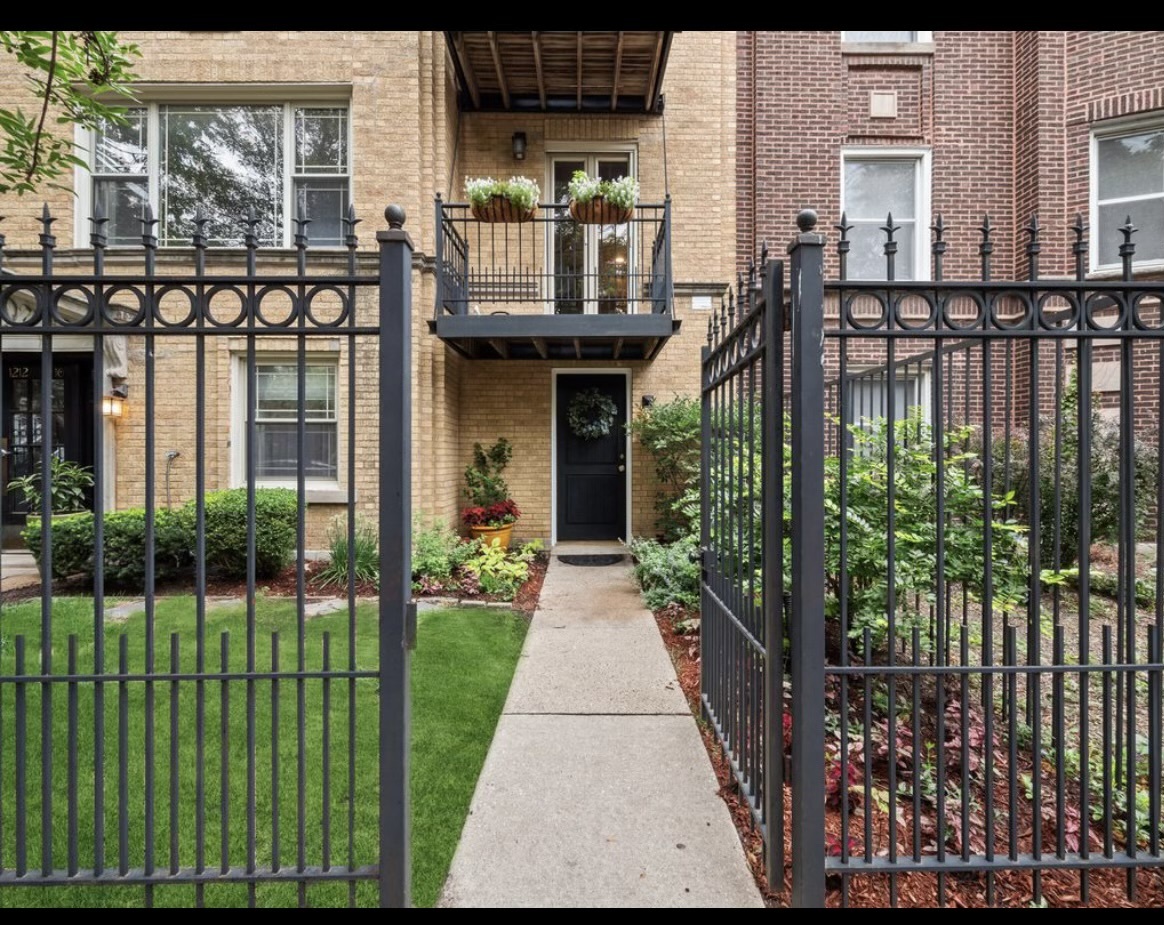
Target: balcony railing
x,y
552,264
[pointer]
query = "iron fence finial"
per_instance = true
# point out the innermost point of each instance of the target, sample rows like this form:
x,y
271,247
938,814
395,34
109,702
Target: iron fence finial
x,y
709,341
301,222
396,216
938,246
250,222
806,220
1127,249
764,253
843,244
350,221
148,238
1033,246
201,219
97,237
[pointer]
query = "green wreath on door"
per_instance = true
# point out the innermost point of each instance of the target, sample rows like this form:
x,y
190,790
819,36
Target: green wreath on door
x,y
591,414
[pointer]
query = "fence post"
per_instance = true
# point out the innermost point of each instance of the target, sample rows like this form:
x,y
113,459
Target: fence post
x,y
808,577
397,612
772,384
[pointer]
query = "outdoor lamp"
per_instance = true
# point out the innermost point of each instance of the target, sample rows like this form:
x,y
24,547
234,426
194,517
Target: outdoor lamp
x,y
519,146
112,406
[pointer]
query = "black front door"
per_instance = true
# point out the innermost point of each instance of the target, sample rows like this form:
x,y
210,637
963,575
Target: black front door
x,y
591,489
22,436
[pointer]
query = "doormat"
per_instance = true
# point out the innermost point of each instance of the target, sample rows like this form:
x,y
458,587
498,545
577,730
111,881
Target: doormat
x,y
608,559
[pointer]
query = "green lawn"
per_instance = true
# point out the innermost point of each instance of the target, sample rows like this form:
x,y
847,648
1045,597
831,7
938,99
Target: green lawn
x,y
461,672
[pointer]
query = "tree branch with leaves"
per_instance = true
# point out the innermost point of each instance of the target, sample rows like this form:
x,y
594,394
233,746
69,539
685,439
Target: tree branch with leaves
x,y
82,77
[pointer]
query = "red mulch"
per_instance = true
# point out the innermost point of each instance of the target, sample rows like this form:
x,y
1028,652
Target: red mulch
x,y
526,599
286,584
1108,888
527,596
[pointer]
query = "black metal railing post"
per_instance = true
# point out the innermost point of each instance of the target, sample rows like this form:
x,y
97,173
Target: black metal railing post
x,y
772,493
397,613
808,575
669,284
439,257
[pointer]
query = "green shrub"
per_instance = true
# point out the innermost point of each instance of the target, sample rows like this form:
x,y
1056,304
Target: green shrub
x,y
670,432
69,489
276,517
497,571
125,546
915,528
365,557
666,572
437,550
484,483
1103,473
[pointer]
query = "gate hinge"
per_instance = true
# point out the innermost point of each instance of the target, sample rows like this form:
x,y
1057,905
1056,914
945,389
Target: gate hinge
x,y
410,625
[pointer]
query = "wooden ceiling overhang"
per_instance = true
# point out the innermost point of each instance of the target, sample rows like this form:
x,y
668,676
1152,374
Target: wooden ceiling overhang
x,y
619,72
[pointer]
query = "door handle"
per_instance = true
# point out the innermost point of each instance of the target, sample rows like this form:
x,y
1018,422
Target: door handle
x,y
622,468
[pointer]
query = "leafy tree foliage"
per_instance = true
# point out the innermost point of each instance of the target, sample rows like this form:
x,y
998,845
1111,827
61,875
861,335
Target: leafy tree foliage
x,y
73,76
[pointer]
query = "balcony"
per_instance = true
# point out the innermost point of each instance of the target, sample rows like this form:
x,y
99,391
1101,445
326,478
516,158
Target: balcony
x,y
553,289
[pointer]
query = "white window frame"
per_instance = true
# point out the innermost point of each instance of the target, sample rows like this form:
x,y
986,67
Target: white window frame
x,y
921,38
1137,125
83,179
589,153
919,374
922,184
238,419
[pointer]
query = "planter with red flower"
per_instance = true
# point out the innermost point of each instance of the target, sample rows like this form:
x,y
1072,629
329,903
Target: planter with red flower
x,y
493,522
491,513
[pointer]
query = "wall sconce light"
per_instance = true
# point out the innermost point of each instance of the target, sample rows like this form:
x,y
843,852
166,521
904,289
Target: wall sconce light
x,y
112,406
519,146
648,401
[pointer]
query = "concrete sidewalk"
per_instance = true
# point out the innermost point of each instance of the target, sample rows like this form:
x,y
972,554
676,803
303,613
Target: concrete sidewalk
x,y
597,790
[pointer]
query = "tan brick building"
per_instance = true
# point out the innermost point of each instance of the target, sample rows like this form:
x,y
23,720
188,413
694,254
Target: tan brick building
x,y
739,130
372,118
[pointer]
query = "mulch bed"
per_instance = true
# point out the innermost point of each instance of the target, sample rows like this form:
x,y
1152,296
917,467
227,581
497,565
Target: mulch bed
x,y
1059,888
286,584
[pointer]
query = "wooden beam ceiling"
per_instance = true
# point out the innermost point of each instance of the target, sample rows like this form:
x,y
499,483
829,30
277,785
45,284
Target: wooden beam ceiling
x,y
537,53
467,71
499,68
652,83
617,73
558,71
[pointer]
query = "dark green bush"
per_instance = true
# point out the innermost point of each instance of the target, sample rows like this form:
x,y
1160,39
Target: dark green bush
x,y
276,516
1062,474
670,432
73,542
666,573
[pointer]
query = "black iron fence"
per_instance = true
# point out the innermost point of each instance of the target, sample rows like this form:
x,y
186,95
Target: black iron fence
x,y
551,263
971,536
180,758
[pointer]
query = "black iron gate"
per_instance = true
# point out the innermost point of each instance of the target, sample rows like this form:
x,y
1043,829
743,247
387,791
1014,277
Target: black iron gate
x,y
247,756
758,453
968,519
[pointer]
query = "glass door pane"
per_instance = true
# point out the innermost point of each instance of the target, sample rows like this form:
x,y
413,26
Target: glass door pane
x,y
612,246
567,244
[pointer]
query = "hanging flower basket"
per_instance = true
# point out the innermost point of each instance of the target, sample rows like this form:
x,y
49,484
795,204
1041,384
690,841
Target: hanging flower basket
x,y
512,200
599,212
499,209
